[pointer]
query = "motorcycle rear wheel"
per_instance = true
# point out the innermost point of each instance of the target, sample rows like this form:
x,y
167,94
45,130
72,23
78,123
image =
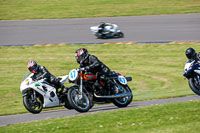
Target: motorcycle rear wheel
x,y
194,86
123,101
32,106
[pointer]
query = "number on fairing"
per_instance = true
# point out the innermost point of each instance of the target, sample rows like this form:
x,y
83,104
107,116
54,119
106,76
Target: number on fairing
x,y
73,74
122,80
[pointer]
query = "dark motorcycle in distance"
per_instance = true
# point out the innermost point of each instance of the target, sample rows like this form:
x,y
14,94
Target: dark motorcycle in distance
x,y
192,73
83,95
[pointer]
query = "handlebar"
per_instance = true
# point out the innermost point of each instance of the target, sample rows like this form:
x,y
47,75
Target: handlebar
x,y
129,78
80,69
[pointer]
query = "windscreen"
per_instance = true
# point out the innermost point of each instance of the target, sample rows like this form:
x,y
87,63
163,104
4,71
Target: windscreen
x,y
26,75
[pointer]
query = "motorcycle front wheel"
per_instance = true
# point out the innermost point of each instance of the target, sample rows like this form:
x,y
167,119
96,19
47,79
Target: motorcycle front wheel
x,y
123,101
195,87
33,106
78,102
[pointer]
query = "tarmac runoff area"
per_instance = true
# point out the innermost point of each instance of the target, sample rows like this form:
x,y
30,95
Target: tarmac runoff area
x,y
13,119
136,29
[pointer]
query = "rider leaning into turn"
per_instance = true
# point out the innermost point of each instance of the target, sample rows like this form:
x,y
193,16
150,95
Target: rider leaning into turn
x,y
92,64
40,72
191,54
102,25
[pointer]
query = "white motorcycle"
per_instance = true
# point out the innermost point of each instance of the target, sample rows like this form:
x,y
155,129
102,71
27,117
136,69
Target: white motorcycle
x,y
109,31
40,94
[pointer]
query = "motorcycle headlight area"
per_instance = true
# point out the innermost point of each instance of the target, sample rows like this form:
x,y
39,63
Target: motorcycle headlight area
x,y
73,75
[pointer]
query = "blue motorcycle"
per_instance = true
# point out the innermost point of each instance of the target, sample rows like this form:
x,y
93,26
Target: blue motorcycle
x,y
192,73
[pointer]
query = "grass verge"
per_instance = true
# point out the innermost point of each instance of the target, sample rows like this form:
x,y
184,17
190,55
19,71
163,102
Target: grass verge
x,y
46,9
169,118
156,68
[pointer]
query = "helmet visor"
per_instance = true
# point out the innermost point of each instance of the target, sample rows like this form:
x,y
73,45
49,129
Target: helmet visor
x,y
188,56
33,69
191,55
78,58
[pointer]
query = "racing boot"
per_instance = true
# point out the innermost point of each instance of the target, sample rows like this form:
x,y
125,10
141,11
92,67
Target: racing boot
x,y
64,89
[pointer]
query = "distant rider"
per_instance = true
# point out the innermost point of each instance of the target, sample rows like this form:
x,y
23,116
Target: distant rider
x,y
191,54
92,64
40,72
103,28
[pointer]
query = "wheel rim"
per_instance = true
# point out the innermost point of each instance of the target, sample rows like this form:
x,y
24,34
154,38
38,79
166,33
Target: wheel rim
x,y
79,103
123,100
196,85
34,105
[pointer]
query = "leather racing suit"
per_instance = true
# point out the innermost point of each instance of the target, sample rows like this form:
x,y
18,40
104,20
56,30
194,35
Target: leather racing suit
x,y
197,58
42,72
94,65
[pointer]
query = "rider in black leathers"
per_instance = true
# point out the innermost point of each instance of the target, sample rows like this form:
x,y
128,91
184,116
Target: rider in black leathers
x,y
91,64
191,54
41,72
101,26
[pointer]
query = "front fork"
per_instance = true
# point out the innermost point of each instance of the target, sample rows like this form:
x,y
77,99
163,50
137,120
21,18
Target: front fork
x,y
81,88
118,87
33,96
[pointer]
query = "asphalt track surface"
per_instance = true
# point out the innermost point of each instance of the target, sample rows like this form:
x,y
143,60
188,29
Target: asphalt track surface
x,y
12,119
155,28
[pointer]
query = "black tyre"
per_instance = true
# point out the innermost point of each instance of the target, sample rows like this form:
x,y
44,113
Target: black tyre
x,y
79,104
194,86
99,36
119,35
123,101
67,105
32,106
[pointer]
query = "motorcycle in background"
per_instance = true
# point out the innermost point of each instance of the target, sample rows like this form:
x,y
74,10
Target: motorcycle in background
x,y
109,31
192,73
39,94
83,94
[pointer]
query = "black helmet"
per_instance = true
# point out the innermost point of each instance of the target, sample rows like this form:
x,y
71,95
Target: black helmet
x,y
190,53
102,24
32,66
81,55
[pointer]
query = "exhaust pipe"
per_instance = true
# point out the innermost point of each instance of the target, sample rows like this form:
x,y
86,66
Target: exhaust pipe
x,y
115,96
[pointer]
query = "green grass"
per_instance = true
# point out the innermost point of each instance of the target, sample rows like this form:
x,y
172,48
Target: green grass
x,y
45,9
183,117
156,68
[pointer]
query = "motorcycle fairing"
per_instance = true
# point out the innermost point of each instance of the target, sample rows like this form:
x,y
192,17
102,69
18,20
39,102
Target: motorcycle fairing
x,y
189,67
49,101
